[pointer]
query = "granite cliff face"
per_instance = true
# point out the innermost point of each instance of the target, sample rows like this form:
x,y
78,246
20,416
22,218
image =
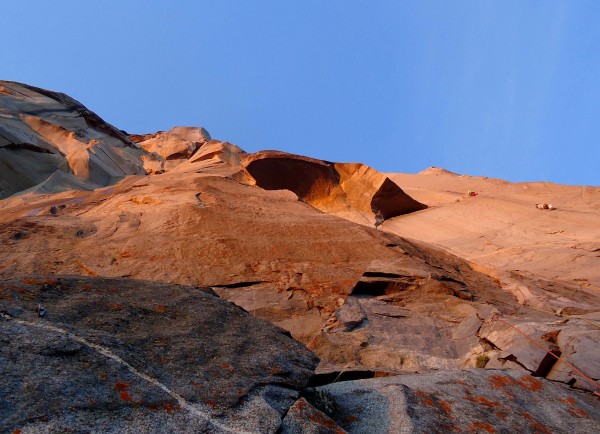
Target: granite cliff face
x,y
49,142
174,146
137,276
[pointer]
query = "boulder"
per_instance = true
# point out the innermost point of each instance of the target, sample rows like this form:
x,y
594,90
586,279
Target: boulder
x,y
117,355
216,158
174,146
579,346
479,400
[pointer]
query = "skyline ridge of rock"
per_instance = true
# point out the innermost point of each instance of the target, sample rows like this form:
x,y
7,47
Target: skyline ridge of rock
x,y
89,153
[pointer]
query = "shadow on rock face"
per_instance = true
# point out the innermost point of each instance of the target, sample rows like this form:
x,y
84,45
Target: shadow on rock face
x,y
336,188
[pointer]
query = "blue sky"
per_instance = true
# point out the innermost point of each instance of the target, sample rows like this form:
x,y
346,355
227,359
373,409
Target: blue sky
x,y
507,89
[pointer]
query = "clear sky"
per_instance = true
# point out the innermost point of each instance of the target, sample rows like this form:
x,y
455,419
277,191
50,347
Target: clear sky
x,y
507,89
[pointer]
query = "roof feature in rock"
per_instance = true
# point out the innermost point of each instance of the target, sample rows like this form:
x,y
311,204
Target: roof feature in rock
x,y
350,190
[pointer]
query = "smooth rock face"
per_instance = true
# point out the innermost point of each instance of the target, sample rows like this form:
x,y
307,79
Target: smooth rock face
x,y
50,139
140,354
482,401
533,252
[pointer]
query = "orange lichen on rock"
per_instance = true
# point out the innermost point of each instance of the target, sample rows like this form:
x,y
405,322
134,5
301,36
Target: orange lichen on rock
x,y
446,406
426,398
498,381
530,383
172,408
483,401
125,396
568,400
575,411
322,420
501,415
122,388
160,308
578,412
505,383
477,426
119,385
540,428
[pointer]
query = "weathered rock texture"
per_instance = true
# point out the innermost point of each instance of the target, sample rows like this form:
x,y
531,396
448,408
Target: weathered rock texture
x,y
124,355
303,418
174,146
478,401
49,142
392,319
